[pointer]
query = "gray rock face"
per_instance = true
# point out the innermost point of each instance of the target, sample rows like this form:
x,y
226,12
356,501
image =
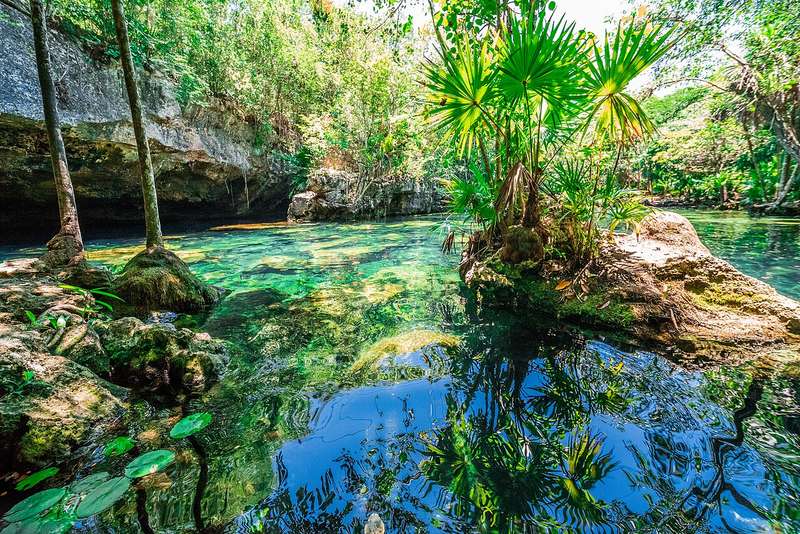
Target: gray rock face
x,y
204,158
336,195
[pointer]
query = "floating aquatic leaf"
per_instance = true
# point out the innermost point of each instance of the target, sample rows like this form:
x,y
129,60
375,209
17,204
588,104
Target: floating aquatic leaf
x,y
35,505
118,446
89,483
149,462
40,525
189,425
31,480
103,496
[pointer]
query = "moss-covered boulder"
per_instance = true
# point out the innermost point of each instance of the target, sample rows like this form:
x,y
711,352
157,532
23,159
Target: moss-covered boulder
x,y
161,358
521,244
157,279
49,404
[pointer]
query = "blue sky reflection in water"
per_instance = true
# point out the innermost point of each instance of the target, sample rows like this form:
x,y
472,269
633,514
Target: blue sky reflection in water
x,y
366,381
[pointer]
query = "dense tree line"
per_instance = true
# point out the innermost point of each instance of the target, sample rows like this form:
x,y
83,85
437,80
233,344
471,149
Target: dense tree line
x,y
746,53
324,85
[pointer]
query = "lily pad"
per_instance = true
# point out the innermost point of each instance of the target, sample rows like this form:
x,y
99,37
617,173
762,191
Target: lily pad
x,y
103,496
31,480
89,483
149,462
189,425
40,525
35,505
118,446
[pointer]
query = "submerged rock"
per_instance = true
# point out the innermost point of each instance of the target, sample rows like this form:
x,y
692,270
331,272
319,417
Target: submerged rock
x,y
374,525
161,358
662,287
381,355
48,403
335,195
157,279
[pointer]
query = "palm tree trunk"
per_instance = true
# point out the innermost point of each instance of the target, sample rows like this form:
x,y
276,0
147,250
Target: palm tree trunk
x,y
67,245
151,219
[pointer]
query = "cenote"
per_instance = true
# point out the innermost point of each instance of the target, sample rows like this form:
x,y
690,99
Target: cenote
x,y
364,380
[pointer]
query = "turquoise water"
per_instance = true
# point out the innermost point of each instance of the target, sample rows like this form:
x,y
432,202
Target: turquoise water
x,y
767,248
365,380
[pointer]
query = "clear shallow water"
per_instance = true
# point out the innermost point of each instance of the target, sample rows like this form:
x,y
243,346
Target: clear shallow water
x,y
767,248
365,381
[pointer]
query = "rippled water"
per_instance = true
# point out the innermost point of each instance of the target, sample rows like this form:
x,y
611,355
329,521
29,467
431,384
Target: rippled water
x,y
366,381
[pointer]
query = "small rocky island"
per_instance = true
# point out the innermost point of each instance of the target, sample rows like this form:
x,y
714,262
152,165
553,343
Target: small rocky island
x,y
660,287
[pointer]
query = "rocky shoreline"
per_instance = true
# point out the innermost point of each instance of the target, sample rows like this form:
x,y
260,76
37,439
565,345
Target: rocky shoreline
x,y
336,195
660,288
68,371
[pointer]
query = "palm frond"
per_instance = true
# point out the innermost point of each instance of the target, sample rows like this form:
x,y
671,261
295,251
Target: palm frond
x,y
634,48
459,92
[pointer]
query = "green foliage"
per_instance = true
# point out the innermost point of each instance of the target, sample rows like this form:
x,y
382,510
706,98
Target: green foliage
x,y
118,446
190,425
702,153
88,483
94,306
33,479
525,93
35,505
26,383
322,84
149,463
103,497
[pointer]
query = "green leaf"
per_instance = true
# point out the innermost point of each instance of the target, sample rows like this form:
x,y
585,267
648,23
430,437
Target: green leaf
x,y
31,317
103,496
105,305
106,294
31,480
149,462
76,289
35,505
118,446
40,525
89,483
189,425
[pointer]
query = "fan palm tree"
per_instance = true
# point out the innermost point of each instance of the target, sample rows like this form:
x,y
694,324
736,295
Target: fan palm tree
x,y
531,86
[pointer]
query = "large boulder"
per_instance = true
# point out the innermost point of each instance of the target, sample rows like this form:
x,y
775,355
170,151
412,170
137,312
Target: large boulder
x,y
48,404
156,279
681,294
160,358
337,195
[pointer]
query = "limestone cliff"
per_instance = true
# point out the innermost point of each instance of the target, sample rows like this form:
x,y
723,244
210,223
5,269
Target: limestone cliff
x,y
204,156
337,195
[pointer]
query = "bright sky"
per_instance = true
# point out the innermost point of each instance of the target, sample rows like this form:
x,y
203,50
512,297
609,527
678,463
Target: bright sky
x,y
587,14
591,14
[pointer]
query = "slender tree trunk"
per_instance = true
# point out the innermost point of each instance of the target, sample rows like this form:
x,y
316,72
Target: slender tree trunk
x,y
67,246
151,219
787,188
751,150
